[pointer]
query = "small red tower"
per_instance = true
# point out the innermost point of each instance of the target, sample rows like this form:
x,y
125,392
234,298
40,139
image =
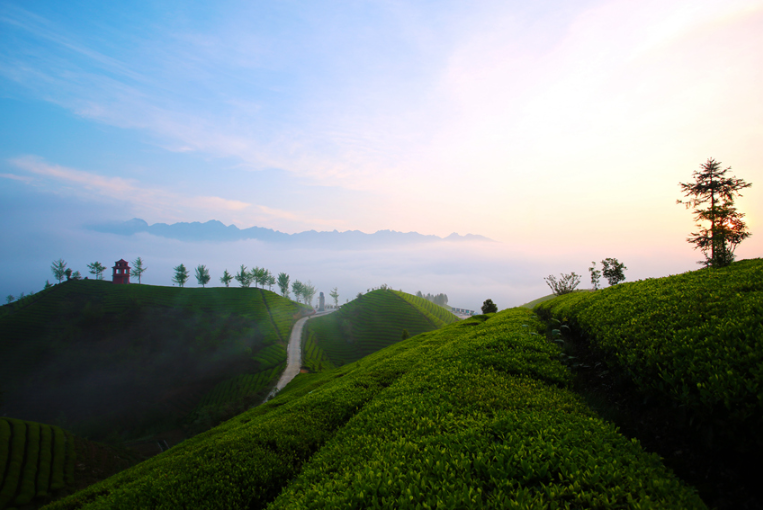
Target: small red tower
x,y
121,272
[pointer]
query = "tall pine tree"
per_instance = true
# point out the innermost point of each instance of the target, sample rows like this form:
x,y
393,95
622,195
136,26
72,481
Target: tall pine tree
x,y
712,195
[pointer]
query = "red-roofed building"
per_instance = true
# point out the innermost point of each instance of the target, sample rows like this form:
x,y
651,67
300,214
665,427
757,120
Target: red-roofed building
x,y
121,272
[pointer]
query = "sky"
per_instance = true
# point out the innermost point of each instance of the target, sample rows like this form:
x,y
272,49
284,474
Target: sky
x,y
559,129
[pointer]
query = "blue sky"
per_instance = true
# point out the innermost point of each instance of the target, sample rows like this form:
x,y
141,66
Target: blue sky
x,y
560,129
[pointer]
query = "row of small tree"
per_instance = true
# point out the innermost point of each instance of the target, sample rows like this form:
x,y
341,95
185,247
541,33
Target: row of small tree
x,y
259,276
438,299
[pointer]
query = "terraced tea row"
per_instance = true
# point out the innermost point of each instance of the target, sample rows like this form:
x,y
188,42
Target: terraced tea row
x,y
435,313
313,357
475,415
694,341
240,386
36,460
372,322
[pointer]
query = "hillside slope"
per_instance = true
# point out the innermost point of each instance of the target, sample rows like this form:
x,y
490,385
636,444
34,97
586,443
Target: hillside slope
x,y
474,415
693,342
367,324
103,359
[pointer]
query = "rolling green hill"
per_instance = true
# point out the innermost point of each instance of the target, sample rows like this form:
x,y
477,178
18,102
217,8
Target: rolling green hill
x,y
477,414
692,342
367,324
127,360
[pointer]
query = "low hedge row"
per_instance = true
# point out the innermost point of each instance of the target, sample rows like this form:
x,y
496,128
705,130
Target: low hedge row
x,y
313,356
484,422
35,460
694,340
271,356
436,313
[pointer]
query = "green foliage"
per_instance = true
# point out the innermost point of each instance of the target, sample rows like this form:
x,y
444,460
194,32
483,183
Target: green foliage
x,y
271,356
243,277
303,292
489,307
437,315
202,275
612,269
693,340
469,416
595,276
97,269
31,462
564,285
374,322
259,275
226,278
59,269
727,228
335,296
283,284
160,348
313,357
138,268
181,275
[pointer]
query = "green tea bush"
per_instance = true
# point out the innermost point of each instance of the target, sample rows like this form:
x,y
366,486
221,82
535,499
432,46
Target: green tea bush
x,y
313,356
694,340
465,428
441,420
30,464
373,322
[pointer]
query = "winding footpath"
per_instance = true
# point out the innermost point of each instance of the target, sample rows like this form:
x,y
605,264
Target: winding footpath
x,y
293,355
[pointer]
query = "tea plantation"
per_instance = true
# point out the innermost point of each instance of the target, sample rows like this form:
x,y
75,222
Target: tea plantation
x,y
103,359
477,414
693,341
36,461
372,322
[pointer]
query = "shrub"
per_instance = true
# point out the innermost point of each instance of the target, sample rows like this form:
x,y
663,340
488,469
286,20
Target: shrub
x,y
566,284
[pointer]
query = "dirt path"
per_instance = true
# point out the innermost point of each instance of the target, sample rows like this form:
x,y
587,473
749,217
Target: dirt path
x,y
293,355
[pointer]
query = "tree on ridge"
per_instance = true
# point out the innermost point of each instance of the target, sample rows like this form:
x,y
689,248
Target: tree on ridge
x,y
613,270
712,195
283,284
59,269
202,275
138,269
97,269
181,275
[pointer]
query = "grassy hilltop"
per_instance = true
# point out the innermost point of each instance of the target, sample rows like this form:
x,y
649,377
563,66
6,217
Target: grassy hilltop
x,y
103,359
369,323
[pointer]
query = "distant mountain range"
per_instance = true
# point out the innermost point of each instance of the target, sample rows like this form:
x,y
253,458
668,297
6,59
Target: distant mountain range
x,y
215,231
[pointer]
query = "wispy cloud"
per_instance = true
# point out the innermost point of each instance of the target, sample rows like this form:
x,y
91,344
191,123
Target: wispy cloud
x,y
23,178
142,198
157,204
